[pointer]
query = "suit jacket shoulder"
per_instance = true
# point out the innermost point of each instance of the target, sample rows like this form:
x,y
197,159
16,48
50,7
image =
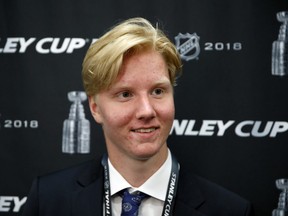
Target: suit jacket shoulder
x,y
199,196
61,192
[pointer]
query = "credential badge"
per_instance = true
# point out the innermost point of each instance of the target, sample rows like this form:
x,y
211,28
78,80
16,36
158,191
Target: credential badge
x,y
188,46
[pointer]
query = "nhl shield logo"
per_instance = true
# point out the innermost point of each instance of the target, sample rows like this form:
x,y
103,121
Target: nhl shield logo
x,y
188,46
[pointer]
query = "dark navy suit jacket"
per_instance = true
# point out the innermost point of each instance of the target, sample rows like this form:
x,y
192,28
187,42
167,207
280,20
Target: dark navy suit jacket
x,y
78,191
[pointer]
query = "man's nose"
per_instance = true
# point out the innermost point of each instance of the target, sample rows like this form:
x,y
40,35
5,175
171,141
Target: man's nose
x,y
145,108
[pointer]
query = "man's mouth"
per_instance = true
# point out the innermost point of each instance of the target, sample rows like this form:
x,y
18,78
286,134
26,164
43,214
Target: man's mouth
x,y
145,130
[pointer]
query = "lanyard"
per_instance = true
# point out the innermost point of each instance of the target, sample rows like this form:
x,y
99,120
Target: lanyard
x,y
170,195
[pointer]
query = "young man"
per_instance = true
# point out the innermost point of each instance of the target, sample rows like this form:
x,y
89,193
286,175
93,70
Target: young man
x,y
128,75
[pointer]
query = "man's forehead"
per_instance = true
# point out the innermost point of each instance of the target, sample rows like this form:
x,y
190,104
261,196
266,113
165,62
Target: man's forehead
x,y
130,80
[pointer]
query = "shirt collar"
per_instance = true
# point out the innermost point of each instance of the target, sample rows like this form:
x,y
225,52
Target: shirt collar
x,y
156,186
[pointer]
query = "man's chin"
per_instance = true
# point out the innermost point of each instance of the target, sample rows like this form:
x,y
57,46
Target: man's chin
x,y
148,153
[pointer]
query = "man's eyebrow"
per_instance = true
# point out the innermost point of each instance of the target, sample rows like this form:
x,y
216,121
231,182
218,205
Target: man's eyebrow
x,y
163,81
158,82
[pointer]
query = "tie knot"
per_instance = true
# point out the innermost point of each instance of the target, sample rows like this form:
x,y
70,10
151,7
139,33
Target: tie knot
x,y
131,202
136,197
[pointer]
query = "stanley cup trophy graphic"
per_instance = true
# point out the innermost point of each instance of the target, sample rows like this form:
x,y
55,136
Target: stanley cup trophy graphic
x,y
76,129
280,47
282,209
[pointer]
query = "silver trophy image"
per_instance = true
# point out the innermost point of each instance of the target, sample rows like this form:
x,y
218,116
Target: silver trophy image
x,y
76,129
282,209
280,47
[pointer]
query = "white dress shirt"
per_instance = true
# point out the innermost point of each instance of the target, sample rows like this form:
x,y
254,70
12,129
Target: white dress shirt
x,y
156,187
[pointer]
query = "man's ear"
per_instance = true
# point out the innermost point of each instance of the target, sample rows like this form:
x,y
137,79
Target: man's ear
x,y
94,108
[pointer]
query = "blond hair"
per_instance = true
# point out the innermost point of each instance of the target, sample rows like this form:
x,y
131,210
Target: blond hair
x,y
104,58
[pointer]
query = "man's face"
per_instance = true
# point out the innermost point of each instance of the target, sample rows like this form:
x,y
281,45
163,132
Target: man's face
x,y
137,111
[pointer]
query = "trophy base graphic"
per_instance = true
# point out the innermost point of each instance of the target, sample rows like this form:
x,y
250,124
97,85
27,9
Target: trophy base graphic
x,y
280,58
282,209
280,47
77,137
76,129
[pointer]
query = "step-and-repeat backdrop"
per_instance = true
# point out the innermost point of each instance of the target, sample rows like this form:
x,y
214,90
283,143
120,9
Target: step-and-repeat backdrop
x,y
231,121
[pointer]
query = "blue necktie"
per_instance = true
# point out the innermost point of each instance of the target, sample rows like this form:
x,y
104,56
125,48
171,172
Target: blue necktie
x,y
131,203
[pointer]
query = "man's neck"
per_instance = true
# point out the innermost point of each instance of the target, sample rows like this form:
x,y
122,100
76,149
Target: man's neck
x,y
137,171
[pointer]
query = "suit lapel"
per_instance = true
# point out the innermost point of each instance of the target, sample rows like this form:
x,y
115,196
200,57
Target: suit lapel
x,y
189,196
88,199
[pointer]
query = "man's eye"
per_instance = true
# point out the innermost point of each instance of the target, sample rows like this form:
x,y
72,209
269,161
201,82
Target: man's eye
x,y
158,91
125,94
